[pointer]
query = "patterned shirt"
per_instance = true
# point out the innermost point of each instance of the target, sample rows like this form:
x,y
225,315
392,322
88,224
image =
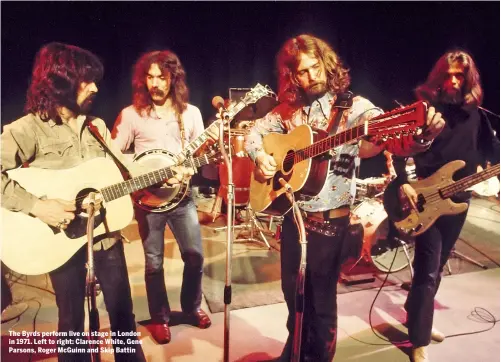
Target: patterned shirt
x,y
147,132
339,188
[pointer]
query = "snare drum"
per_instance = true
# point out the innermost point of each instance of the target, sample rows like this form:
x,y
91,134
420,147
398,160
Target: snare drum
x,y
379,246
242,168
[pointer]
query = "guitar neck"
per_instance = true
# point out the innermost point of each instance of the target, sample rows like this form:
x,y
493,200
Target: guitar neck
x,y
401,121
328,143
127,187
469,181
212,131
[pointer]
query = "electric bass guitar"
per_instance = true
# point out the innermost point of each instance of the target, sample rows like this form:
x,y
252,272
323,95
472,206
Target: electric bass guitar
x,y
296,155
31,247
162,198
434,194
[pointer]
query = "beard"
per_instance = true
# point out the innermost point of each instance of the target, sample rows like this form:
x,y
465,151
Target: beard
x,y
451,96
86,105
316,90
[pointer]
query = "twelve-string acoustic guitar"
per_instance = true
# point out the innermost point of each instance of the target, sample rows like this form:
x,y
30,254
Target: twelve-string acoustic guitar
x,y
303,162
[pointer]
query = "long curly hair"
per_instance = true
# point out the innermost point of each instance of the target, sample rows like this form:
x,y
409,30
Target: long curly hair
x,y
169,63
58,71
289,91
472,89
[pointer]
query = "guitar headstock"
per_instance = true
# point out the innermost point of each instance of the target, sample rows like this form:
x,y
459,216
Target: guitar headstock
x,y
256,93
399,122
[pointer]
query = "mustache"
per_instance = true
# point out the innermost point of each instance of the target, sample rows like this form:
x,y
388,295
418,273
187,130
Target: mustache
x,y
317,83
157,92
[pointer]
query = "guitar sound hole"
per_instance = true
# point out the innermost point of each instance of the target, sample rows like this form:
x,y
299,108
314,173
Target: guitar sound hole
x,y
78,226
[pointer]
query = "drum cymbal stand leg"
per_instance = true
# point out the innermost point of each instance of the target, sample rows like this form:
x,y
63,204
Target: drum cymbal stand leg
x,y
251,225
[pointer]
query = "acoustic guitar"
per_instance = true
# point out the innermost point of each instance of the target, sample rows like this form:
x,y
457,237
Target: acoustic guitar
x,y
296,155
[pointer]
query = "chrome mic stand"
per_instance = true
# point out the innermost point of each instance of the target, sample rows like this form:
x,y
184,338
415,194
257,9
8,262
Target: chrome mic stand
x,y
230,222
301,276
91,206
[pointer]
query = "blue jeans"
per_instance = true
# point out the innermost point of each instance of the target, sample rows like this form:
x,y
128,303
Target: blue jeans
x,y
432,250
68,282
184,224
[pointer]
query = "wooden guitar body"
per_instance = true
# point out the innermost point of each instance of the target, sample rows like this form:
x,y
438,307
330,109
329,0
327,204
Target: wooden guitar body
x,y
269,196
30,246
433,206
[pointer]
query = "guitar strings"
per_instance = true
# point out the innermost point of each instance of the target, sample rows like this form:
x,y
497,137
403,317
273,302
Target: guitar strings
x,y
435,196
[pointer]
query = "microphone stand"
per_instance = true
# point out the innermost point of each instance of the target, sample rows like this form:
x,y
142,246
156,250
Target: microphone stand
x,y
229,237
91,209
301,276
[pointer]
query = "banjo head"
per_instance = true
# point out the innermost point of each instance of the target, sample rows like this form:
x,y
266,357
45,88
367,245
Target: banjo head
x,y
160,197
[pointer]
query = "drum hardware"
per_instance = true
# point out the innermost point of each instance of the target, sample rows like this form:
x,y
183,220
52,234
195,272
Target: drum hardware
x,y
250,225
381,239
457,254
242,168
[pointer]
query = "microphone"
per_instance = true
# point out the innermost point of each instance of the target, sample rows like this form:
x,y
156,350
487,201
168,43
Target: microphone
x,y
218,103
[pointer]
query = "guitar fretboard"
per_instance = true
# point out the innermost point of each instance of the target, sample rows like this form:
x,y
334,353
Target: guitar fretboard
x,y
469,181
123,188
328,143
398,122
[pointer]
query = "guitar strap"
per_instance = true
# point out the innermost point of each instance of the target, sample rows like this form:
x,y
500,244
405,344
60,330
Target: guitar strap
x,y
343,102
95,132
181,130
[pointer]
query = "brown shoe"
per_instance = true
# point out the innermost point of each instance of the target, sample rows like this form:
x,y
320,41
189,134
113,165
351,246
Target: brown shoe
x,y
199,319
420,354
436,335
160,332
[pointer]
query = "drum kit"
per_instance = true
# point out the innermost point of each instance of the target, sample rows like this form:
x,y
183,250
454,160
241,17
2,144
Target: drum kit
x,y
242,169
383,246
381,238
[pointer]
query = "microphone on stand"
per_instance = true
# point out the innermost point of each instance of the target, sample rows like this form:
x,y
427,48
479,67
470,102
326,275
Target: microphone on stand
x,y
218,103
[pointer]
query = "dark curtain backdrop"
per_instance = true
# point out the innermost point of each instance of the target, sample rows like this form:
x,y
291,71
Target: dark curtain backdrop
x,y
389,46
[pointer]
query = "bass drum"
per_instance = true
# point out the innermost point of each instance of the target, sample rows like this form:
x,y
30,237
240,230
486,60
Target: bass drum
x,y
381,238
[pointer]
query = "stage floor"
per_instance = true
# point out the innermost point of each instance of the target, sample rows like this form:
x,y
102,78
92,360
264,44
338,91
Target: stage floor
x,y
259,332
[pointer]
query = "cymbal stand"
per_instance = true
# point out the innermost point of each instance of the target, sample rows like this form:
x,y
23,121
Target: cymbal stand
x,y
91,205
250,224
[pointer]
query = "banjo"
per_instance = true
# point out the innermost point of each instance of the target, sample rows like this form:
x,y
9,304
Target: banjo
x,y
163,197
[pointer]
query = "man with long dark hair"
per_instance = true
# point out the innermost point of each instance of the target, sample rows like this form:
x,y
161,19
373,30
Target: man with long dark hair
x,y
311,77
54,135
453,87
161,117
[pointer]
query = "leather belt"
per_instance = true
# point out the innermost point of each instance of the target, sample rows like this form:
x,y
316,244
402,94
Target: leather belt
x,y
323,216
